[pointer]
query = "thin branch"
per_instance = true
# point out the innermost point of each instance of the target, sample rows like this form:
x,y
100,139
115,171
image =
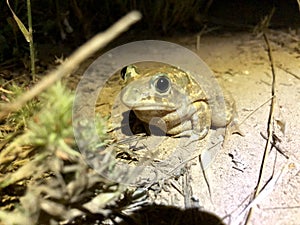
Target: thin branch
x,y
254,111
268,187
205,177
289,72
270,130
275,146
82,53
31,43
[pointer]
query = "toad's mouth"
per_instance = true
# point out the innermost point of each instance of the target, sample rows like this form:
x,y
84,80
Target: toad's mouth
x,y
153,107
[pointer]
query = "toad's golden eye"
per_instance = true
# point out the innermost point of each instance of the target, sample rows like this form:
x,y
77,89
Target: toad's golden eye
x,y
162,83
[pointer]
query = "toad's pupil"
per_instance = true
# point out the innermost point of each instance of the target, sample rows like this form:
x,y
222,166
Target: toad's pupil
x,y
162,84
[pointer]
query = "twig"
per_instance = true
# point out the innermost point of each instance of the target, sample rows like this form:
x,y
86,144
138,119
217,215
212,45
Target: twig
x,y
289,72
82,53
269,129
5,91
205,177
204,30
254,111
264,191
31,43
275,146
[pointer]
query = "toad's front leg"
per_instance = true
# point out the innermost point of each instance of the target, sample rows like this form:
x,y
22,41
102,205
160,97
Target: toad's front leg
x,y
193,121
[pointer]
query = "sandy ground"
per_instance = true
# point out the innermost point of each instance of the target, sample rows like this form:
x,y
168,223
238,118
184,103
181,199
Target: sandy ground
x,y
241,62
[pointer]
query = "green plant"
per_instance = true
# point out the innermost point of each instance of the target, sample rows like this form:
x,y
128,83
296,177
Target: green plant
x,y
27,34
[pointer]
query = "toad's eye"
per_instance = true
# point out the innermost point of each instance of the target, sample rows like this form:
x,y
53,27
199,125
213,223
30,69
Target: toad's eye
x,y
162,83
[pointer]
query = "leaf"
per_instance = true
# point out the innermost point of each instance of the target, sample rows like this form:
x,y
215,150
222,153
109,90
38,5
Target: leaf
x,y
20,24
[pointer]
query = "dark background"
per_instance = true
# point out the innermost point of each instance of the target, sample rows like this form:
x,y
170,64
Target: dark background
x,y
160,18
